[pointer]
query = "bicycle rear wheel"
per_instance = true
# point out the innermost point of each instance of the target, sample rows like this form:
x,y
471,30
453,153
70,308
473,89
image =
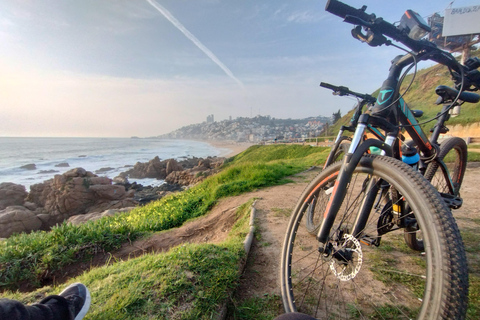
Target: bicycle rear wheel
x,y
362,280
453,152
446,175
339,150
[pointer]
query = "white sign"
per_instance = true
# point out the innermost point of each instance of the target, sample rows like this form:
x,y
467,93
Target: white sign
x,y
458,21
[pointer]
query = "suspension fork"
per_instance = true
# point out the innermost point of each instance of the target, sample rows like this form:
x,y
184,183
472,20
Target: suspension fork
x,y
371,192
350,162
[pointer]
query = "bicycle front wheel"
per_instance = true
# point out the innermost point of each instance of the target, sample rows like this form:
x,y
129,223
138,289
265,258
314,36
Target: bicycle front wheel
x,y
374,275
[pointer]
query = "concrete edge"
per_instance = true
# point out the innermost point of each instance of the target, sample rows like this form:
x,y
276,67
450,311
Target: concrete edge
x,y
247,244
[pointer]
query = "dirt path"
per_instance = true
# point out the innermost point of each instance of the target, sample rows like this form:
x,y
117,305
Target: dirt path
x,y
274,206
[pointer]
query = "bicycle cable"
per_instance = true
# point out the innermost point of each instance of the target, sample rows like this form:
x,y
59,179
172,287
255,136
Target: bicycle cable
x,y
414,64
441,113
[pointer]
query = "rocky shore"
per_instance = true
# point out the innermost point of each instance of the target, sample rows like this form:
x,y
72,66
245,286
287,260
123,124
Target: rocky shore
x,y
79,195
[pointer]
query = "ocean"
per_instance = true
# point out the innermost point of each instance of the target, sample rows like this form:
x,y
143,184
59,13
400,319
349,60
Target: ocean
x,y
91,154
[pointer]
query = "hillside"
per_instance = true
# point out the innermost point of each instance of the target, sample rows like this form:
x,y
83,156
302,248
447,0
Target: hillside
x,y
257,129
421,96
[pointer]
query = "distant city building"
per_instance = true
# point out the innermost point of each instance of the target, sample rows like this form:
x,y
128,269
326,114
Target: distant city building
x,y
314,123
258,129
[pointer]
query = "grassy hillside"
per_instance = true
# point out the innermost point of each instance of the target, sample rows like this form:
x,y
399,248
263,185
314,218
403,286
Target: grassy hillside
x,y
421,96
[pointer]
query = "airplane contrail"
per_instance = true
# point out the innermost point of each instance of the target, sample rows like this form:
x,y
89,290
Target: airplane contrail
x,y
192,38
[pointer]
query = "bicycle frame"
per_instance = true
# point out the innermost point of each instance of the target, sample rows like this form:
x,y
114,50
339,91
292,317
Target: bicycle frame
x,y
389,111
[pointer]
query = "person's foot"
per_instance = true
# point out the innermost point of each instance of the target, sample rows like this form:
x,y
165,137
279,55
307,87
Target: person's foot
x,y
78,298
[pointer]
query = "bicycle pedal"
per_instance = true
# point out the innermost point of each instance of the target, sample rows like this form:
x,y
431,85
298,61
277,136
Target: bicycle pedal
x,y
452,202
369,240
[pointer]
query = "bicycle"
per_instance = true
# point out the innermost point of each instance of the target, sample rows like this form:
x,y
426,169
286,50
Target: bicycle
x,y
447,180
357,264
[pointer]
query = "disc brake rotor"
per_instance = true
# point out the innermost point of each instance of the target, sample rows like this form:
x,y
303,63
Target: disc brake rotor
x,y
347,268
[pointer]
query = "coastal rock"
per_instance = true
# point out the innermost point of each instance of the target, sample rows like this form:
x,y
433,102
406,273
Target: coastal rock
x,y
155,169
121,179
171,166
202,169
160,170
152,169
82,218
109,192
17,219
47,171
183,178
146,194
78,191
103,170
30,166
62,165
11,194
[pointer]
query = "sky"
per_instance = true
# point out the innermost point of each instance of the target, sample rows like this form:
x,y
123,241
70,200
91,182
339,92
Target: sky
x,y
121,68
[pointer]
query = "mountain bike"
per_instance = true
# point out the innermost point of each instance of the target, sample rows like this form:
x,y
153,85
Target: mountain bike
x,y
357,264
444,167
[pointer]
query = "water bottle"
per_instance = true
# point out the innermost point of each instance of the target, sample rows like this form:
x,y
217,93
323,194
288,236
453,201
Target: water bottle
x,y
375,150
410,156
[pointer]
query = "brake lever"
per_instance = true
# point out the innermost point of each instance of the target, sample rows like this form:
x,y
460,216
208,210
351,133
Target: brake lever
x,y
373,39
357,21
357,34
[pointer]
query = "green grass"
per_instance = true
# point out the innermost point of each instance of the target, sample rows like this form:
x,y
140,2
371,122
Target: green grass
x,y
384,269
473,156
266,307
282,212
189,282
471,240
473,311
27,257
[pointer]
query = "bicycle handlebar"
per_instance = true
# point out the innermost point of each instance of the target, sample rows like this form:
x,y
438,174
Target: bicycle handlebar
x,y
344,91
379,28
377,25
342,10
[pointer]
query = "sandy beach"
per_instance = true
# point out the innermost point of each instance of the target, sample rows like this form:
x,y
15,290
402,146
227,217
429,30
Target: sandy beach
x,y
230,148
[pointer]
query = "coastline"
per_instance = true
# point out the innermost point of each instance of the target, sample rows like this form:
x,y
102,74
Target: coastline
x,y
29,161
229,148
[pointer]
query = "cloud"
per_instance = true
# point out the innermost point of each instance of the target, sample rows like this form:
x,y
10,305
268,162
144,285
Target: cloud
x,y
305,17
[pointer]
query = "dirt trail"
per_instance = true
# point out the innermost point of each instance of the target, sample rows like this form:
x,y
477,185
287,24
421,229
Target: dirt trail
x,y
273,209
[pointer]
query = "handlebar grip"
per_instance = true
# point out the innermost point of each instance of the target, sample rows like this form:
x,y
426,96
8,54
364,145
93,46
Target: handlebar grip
x,y
329,86
342,10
